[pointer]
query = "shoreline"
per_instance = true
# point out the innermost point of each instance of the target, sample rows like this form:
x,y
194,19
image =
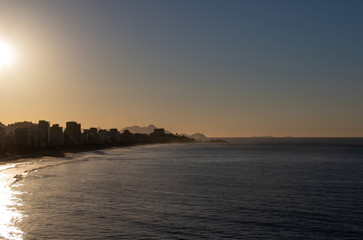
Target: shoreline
x,y
62,152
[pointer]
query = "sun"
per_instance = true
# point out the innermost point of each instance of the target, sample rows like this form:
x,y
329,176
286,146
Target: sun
x,y
7,55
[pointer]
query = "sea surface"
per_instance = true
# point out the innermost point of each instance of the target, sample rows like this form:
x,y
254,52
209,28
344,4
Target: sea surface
x,y
247,189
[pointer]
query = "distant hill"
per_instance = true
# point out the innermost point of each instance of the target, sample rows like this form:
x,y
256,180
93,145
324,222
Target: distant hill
x,y
11,127
1,124
198,137
136,129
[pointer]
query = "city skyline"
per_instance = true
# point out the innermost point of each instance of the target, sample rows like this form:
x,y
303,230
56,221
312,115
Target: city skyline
x,y
224,69
46,139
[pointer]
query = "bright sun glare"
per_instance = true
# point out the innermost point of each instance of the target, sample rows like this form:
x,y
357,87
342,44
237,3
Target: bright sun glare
x,y
7,55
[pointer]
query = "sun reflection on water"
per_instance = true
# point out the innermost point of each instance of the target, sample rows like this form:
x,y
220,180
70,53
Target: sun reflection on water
x,y
9,200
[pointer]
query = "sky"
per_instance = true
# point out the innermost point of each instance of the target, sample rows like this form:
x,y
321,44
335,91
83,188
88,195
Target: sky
x,y
222,68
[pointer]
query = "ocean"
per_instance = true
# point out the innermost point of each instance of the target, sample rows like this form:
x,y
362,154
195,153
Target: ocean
x,y
249,188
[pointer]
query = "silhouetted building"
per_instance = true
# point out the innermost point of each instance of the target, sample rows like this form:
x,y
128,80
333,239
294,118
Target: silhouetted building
x,y
56,135
2,134
127,132
21,138
114,134
159,131
141,138
27,137
93,131
85,136
126,137
34,138
158,135
72,133
2,131
44,133
93,136
8,144
104,137
113,131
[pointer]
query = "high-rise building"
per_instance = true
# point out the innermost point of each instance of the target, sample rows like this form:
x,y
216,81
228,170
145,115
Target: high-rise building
x,y
158,135
34,137
104,137
93,136
2,134
72,133
56,135
21,138
85,137
44,132
159,131
2,131
114,134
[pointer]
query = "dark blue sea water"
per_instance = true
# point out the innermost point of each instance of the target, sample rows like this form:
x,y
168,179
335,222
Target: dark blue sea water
x,y
247,189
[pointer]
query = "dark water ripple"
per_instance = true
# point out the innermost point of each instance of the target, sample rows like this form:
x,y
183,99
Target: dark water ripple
x,y
199,191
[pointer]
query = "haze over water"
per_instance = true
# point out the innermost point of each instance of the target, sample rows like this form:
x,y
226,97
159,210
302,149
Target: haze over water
x,y
248,189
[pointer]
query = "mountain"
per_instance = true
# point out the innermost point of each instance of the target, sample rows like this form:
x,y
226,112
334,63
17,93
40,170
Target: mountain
x,y
199,137
136,129
2,125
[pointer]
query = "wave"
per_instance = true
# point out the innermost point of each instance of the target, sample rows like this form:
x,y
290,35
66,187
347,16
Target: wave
x,y
20,169
15,172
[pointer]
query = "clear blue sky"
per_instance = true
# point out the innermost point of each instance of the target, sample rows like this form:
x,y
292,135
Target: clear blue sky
x,y
224,68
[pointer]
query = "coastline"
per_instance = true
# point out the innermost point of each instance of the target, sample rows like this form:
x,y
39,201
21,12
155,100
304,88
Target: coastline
x,y
62,152
39,140
57,152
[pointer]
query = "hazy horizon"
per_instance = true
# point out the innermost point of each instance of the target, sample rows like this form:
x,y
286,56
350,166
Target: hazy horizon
x,y
224,69
190,133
